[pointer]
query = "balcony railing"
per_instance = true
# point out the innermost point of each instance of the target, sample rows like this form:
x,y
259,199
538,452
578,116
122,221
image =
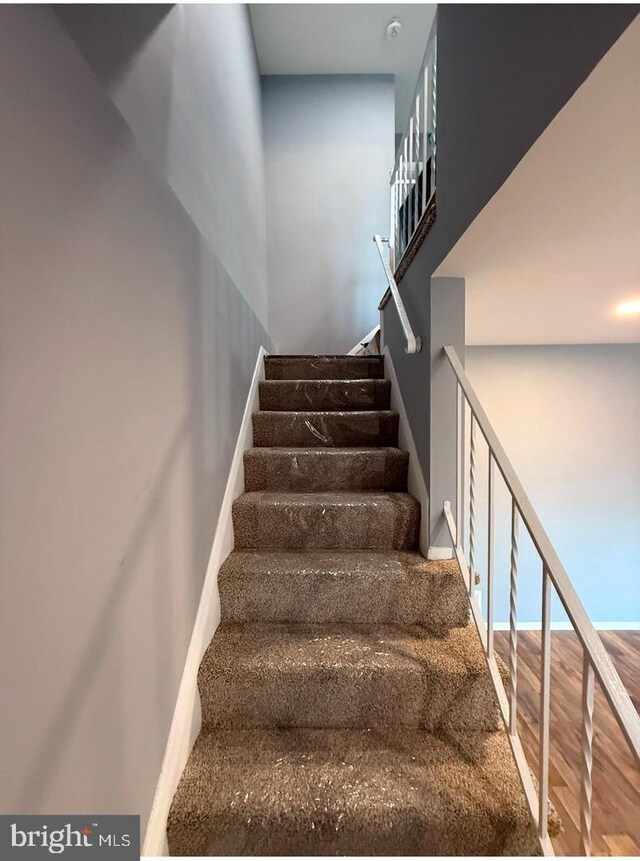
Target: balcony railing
x,y
413,178
597,665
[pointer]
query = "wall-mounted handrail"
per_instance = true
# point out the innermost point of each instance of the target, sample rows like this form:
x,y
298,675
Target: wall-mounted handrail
x,y
596,661
414,342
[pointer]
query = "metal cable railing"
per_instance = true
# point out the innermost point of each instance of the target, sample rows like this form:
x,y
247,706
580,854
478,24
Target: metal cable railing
x,y
596,662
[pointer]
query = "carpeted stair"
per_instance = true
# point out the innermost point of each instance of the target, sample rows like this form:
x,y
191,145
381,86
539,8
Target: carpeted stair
x,y
346,704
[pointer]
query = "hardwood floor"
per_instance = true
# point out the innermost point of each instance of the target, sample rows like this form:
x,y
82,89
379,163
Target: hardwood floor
x,y
616,777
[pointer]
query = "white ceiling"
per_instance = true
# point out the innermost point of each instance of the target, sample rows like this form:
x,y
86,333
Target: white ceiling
x,y
331,39
558,246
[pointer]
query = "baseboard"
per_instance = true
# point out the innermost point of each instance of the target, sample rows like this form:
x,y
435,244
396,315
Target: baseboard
x,y
185,725
439,553
356,349
567,626
416,484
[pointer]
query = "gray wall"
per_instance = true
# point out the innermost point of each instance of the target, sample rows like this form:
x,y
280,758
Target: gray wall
x,y
504,72
185,77
127,349
569,418
328,149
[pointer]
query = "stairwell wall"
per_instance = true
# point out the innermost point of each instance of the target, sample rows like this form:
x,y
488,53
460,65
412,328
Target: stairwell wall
x,y
328,150
127,348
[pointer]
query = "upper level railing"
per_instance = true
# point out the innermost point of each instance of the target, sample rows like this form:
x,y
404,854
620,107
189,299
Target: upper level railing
x,y
413,178
596,661
414,342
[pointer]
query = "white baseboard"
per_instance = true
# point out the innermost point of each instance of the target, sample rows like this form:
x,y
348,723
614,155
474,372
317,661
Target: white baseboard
x,y
369,337
438,553
567,626
185,725
416,484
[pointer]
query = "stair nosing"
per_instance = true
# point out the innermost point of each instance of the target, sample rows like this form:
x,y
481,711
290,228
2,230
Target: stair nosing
x,y
331,380
338,449
327,412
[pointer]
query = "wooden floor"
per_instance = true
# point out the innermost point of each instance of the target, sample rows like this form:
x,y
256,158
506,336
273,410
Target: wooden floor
x,y
616,778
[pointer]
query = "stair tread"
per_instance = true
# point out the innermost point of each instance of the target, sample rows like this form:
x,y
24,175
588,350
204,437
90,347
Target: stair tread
x,y
358,414
354,792
324,497
322,356
350,382
334,451
352,647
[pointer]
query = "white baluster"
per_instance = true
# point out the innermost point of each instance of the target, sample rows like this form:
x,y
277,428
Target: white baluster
x,y
545,699
472,504
410,183
463,418
393,234
513,622
459,467
425,138
416,158
405,193
433,113
587,755
490,559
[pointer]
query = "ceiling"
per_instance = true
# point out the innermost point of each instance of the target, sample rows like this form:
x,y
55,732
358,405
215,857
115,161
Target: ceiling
x,y
558,246
332,39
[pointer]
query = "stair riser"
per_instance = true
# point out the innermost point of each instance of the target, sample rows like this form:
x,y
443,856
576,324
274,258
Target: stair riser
x,y
324,367
325,395
403,832
360,696
389,525
317,470
323,598
319,429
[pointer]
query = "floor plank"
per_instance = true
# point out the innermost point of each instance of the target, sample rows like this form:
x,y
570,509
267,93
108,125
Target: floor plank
x,y
616,777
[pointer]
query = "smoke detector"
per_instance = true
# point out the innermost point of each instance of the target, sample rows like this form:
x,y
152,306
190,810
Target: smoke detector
x,y
393,30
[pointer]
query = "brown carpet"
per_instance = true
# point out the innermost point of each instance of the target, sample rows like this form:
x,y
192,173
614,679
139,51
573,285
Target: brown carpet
x,y
346,704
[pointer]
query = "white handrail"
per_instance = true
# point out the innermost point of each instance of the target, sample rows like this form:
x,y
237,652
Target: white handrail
x,y
596,660
414,342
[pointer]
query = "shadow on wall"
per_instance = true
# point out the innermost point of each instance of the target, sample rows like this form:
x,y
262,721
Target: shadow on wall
x,y
186,80
123,661
110,35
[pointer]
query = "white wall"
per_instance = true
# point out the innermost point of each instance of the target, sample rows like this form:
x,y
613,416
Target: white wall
x,y
185,78
126,352
329,147
569,418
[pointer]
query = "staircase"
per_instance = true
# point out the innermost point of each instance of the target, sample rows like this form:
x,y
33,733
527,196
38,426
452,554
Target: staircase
x,y
347,707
